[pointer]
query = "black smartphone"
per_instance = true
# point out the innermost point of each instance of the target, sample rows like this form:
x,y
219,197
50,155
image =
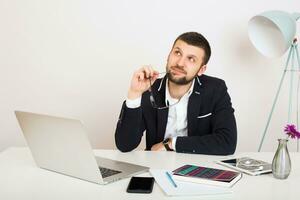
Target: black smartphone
x,y
140,185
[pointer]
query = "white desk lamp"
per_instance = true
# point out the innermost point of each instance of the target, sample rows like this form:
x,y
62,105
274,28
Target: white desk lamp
x,y
273,33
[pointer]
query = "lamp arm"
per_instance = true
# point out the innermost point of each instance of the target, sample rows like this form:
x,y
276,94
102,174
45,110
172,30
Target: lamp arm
x,y
296,16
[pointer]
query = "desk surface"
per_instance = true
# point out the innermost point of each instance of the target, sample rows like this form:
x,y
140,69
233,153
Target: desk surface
x,y
20,178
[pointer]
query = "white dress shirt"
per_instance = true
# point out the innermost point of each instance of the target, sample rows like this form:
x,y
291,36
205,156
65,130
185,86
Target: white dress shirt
x,y
177,116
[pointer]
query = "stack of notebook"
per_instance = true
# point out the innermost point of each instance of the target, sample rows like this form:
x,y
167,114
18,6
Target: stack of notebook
x,y
204,175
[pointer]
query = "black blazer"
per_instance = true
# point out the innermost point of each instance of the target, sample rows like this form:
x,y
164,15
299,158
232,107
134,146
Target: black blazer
x,y
210,120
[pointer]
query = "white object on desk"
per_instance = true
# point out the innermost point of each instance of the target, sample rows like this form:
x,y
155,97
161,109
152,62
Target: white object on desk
x,y
22,179
185,188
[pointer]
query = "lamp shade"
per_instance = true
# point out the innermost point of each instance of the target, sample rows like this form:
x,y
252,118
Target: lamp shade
x,y
272,32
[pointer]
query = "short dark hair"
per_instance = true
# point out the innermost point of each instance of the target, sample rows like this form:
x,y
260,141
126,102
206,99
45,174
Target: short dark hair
x,y
198,40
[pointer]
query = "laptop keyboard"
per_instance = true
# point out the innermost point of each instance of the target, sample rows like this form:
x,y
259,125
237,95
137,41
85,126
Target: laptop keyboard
x,y
108,172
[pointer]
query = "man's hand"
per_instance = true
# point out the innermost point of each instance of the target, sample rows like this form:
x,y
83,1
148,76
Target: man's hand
x,y
140,81
158,147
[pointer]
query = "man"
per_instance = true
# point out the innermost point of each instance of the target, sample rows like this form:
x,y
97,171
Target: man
x,y
186,111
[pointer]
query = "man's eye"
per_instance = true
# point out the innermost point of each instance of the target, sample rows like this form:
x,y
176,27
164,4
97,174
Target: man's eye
x,y
177,53
192,59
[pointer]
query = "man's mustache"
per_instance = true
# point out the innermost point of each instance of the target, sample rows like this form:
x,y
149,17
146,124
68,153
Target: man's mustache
x,y
178,68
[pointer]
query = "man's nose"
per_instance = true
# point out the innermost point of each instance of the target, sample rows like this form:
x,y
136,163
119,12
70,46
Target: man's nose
x,y
180,62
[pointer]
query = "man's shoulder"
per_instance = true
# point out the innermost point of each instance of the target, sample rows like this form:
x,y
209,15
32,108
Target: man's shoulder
x,y
211,81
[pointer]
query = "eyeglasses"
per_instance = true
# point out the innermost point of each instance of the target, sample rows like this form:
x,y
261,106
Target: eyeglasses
x,y
152,98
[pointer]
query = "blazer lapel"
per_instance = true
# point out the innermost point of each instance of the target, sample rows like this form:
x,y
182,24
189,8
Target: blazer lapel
x,y
162,119
162,114
194,106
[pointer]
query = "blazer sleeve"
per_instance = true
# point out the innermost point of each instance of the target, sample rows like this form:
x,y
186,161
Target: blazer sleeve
x,y
223,137
130,128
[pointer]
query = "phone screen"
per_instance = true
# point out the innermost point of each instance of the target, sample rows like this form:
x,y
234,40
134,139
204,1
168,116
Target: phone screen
x,y
140,185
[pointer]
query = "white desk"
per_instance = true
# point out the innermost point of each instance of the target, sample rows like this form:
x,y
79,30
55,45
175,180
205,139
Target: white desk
x,y
20,178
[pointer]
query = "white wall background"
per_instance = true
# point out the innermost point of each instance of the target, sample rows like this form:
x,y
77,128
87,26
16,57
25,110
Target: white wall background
x,y
75,59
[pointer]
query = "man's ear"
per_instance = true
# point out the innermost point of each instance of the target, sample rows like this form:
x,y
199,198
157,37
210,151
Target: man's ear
x,y
202,70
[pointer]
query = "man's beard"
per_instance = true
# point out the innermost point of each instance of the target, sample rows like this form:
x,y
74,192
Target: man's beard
x,y
179,81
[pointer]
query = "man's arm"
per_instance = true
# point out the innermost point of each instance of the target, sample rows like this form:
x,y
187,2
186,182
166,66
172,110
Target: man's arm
x,y
223,139
129,129
131,125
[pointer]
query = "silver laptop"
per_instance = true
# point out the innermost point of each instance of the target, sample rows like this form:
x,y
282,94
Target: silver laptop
x,y
61,145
